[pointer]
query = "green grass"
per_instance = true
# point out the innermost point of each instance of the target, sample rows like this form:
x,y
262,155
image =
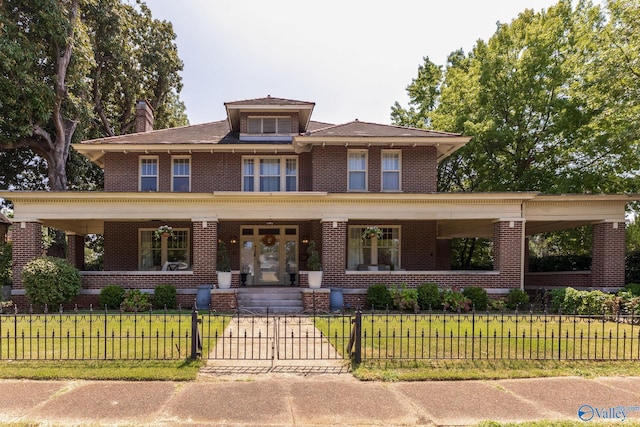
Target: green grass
x,y
556,423
100,336
130,370
453,370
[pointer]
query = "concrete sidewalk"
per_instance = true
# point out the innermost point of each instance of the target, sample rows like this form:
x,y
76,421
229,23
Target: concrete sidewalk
x,y
281,399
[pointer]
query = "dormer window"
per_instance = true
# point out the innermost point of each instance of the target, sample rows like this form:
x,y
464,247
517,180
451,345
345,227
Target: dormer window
x,y
269,126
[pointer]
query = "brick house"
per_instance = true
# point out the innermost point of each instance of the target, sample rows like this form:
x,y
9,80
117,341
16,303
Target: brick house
x,y
267,180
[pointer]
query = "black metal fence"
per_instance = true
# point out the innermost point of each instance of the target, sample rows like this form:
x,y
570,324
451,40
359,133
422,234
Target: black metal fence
x,y
532,336
102,335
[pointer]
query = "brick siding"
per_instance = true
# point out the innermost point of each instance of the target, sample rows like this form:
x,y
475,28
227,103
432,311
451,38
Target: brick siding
x,y
607,269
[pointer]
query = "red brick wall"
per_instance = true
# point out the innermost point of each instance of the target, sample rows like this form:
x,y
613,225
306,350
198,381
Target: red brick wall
x,y
27,245
121,172
334,248
507,251
316,301
607,268
575,279
205,250
75,250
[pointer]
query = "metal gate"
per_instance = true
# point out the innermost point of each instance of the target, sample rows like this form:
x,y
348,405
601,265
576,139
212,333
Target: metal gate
x,y
275,337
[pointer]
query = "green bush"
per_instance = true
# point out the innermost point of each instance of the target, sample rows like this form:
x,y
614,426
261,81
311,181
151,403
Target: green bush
x,y
111,296
634,288
478,296
5,264
454,300
429,297
379,296
557,299
50,281
405,299
517,298
632,267
135,300
165,297
497,304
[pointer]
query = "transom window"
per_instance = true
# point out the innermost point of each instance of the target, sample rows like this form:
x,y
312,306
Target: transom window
x,y
148,173
152,251
269,125
269,174
363,251
181,174
357,167
390,170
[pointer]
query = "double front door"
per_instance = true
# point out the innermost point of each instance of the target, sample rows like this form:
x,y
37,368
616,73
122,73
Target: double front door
x,y
268,255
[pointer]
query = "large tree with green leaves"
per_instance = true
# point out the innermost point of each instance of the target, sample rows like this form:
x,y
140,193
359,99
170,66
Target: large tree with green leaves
x,y
551,101
73,69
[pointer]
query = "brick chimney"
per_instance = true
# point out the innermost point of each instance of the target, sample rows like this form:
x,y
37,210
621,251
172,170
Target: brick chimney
x,y
144,116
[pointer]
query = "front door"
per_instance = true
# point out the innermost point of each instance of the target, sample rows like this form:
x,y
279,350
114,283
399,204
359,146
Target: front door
x,y
269,255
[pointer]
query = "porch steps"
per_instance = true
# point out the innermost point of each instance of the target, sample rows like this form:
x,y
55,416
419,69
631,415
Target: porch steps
x,y
276,299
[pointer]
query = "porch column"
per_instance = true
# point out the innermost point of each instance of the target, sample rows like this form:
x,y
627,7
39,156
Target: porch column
x,y
75,250
508,251
27,245
443,254
334,250
205,249
608,252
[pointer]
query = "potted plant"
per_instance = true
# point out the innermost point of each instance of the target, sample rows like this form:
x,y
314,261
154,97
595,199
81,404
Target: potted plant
x,y
223,267
164,230
314,266
371,232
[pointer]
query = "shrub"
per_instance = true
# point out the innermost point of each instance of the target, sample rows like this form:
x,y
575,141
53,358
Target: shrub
x,y
165,297
453,299
429,297
379,296
405,299
111,296
557,299
634,288
50,281
478,296
632,267
5,264
517,298
223,258
497,304
135,300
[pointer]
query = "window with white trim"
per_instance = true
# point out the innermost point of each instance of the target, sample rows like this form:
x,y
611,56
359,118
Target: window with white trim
x,y
390,166
181,174
148,173
265,174
362,250
269,125
357,170
151,249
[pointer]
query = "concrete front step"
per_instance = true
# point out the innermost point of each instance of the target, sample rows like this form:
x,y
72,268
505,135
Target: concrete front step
x,y
275,299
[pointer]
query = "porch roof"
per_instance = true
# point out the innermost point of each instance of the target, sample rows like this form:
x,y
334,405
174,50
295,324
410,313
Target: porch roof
x,y
457,214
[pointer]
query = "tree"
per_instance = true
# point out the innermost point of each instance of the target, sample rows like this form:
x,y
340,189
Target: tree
x,y
73,69
551,102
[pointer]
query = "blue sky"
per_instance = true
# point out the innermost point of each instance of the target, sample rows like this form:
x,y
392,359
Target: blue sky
x,y
353,58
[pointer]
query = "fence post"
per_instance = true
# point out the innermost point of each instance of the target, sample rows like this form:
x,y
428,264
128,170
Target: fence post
x,y
357,325
196,339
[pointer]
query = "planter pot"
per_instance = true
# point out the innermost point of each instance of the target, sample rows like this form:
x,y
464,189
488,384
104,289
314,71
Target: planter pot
x,y
224,279
203,297
315,279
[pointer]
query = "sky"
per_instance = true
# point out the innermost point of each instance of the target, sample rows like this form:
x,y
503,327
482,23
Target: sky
x,y
353,58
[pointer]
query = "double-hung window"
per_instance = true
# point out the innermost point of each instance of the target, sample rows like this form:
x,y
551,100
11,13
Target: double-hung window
x,y
148,173
357,169
181,174
269,174
390,170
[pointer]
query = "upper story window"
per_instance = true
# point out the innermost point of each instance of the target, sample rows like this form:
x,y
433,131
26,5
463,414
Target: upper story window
x,y
181,174
269,173
390,170
148,173
357,169
269,125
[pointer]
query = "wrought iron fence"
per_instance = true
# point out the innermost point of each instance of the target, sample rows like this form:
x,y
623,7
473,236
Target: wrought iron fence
x,y
95,335
533,336
275,337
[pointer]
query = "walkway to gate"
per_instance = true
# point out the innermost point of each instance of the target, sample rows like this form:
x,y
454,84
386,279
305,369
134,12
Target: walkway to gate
x,y
274,344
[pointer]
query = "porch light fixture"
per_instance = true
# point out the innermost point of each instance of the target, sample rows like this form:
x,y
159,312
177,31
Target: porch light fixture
x,y
233,240
305,240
